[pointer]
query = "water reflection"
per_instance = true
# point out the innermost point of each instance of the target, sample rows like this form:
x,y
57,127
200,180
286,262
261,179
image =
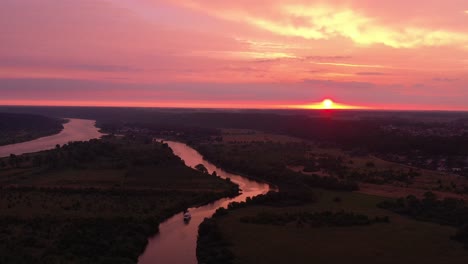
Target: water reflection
x,y
176,241
74,130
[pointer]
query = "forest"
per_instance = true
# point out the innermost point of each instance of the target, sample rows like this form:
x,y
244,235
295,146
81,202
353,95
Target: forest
x,y
15,128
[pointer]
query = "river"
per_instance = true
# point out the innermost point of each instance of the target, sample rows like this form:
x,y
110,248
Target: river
x,y
176,241
74,130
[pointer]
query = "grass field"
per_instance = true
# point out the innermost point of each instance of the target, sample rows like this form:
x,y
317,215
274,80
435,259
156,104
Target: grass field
x,y
401,241
442,183
164,178
249,135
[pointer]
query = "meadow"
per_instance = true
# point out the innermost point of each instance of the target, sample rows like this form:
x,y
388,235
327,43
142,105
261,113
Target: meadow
x,y
401,240
336,224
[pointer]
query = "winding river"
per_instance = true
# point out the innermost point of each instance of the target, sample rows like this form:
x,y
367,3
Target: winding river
x,y
74,130
176,241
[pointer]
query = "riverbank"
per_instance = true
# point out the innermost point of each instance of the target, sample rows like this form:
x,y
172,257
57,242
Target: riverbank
x,y
73,130
16,128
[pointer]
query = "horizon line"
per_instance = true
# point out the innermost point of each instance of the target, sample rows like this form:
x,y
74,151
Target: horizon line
x,y
241,108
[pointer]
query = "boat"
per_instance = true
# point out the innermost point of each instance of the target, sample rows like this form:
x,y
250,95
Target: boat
x,y
187,216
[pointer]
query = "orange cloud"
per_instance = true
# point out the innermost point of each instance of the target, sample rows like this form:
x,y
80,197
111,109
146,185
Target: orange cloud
x,y
350,65
325,22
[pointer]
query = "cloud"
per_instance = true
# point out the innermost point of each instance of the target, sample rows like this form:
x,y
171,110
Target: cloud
x,y
351,65
311,59
256,55
104,68
444,79
327,58
310,90
371,73
329,84
45,62
325,22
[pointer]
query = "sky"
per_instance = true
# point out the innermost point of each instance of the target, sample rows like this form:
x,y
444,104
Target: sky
x,y
372,54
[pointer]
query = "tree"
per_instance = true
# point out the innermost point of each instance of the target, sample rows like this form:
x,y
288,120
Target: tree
x,y
37,161
13,160
200,167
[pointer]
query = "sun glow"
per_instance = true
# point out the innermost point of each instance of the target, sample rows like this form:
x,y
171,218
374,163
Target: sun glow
x,y
327,104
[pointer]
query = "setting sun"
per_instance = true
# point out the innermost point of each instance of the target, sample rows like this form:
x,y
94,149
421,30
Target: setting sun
x,y
327,104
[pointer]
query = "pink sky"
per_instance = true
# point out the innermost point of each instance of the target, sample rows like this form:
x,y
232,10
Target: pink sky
x,y
200,53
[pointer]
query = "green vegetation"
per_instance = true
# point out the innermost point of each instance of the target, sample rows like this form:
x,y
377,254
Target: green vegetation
x,y
462,235
211,246
73,241
15,128
269,161
383,176
108,163
300,218
318,219
448,211
306,165
277,227
95,202
401,240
